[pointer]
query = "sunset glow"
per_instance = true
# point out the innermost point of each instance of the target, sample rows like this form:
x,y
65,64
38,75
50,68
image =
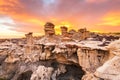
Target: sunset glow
x,y
18,17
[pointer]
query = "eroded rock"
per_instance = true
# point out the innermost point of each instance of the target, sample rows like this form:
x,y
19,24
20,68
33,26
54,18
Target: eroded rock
x,y
70,56
111,68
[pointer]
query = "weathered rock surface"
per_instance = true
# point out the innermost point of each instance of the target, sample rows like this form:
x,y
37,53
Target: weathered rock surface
x,y
44,61
42,73
68,57
49,29
64,31
111,68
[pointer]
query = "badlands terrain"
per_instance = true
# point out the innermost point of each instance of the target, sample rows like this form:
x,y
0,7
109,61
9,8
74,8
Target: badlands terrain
x,y
73,55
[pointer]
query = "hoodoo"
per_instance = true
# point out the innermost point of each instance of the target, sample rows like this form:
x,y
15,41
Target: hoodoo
x,y
73,55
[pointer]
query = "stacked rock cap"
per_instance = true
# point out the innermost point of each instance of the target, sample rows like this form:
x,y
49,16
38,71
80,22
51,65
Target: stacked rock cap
x,y
49,28
49,24
82,30
64,30
72,31
30,33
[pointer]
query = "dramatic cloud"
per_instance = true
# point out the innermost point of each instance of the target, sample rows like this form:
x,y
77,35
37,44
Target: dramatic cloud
x,y
22,16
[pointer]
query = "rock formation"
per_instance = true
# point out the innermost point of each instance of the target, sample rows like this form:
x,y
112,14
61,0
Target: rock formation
x,y
29,40
84,33
52,58
64,31
42,73
49,29
110,70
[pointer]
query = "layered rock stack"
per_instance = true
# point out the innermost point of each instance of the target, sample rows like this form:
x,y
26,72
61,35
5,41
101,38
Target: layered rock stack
x,y
29,40
72,32
51,58
84,33
64,31
49,29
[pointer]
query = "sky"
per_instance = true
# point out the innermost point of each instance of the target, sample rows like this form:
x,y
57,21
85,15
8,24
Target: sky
x,y
18,17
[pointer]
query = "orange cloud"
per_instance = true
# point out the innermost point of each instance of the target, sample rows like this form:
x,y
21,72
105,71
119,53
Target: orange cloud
x,y
111,19
96,1
69,25
23,21
110,22
31,15
9,6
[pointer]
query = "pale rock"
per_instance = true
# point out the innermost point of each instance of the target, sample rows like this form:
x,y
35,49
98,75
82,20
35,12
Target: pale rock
x,y
91,59
61,69
30,42
114,47
89,76
42,73
110,69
